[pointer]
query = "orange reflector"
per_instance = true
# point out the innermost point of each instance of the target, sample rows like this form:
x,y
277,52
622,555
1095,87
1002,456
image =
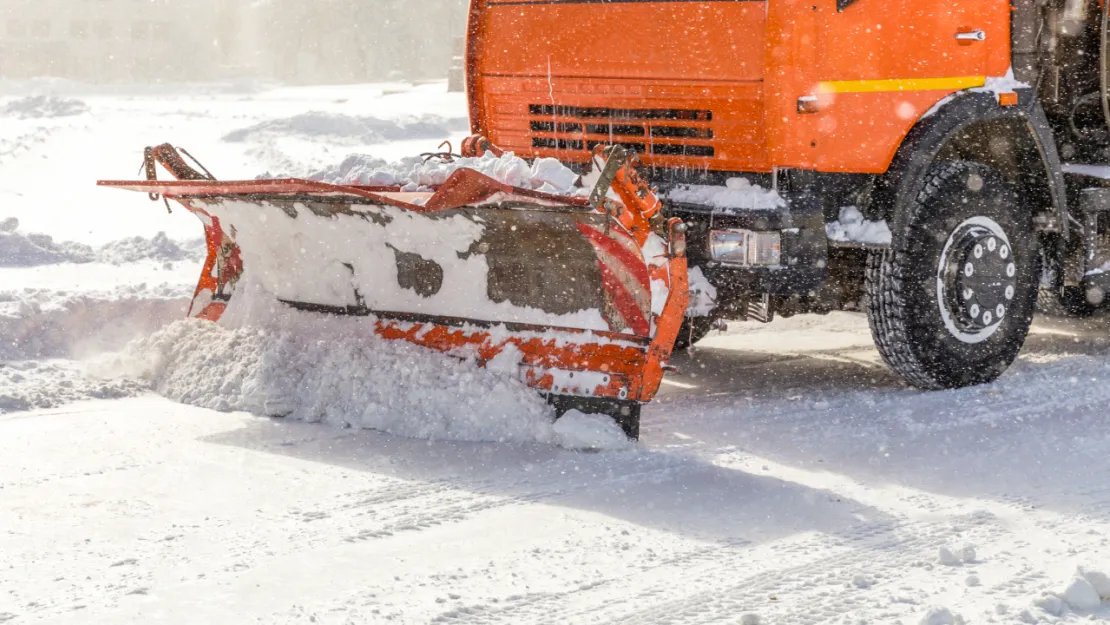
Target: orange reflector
x,y
1008,98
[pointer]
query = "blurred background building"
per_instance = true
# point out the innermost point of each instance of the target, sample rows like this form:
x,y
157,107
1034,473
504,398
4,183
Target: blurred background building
x,y
293,41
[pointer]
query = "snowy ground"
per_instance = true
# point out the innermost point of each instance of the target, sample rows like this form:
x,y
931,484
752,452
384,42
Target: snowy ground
x,y
784,476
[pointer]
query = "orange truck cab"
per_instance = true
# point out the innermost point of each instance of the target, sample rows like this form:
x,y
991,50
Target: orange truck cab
x,y
902,158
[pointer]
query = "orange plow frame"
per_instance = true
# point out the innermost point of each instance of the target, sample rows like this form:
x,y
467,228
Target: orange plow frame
x,y
602,364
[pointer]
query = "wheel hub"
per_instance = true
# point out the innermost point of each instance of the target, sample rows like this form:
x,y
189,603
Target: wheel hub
x,y
977,279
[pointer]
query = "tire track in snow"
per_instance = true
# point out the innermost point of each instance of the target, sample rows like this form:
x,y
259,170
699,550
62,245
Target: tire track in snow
x,y
797,567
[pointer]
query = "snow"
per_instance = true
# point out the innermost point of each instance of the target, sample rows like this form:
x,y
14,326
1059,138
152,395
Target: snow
x,y
853,228
1080,595
737,194
783,474
333,127
337,371
941,616
703,295
418,173
577,430
20,249
345,254
40,106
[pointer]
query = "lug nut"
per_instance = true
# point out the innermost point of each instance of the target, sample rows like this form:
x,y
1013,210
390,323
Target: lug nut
x,y
969,270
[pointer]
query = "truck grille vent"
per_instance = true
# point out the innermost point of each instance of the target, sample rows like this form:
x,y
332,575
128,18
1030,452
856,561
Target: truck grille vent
x,y
588,127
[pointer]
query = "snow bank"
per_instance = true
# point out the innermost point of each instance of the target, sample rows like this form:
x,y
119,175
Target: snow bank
x,y
545,174
738,194
853,228
158,248
47,384
43,106
21,249
44,323
317,125
336,371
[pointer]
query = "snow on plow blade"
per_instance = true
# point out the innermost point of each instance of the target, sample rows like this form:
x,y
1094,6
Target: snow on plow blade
x,y
475,268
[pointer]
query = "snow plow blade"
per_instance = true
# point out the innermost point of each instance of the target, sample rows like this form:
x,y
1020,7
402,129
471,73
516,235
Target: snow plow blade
x,y
585,294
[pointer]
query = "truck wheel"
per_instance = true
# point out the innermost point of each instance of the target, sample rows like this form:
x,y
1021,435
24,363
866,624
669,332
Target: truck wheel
x,y
951,300
693,330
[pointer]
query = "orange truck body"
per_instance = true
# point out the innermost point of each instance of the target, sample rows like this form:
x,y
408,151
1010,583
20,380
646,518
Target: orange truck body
x,y
725,85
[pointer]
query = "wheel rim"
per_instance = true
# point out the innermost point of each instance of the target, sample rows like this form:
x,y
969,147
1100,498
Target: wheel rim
x,y
976,279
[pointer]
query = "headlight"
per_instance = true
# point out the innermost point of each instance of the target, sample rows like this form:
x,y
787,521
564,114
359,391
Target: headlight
x,y
744,247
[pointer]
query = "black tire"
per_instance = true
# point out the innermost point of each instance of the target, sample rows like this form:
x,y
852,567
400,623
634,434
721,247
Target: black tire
x,y
1070,301
925,324
693,330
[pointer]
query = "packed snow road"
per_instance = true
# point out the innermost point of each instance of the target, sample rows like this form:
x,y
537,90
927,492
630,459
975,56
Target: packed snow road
x,y
783,476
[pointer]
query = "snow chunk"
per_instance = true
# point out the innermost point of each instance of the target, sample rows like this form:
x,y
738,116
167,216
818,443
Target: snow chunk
x,y
737,194
853,228
1051,604
972,580
577,430
946,557
703,295
1098,580
1081,595
1001,84
349,129
43,106
941,616
750,618
967,553
553,173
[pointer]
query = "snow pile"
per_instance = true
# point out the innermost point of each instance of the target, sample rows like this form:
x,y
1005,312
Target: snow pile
x,y
545,174
737,194
20,249
43,323
46,384
336,371
42,106
853,228
158,248
317,125
576,430
1087,591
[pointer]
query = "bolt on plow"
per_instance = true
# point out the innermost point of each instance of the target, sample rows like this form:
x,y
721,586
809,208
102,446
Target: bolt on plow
x,y
585,291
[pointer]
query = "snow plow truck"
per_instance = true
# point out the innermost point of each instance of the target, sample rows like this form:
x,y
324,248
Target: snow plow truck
x,y
961,132
932,164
